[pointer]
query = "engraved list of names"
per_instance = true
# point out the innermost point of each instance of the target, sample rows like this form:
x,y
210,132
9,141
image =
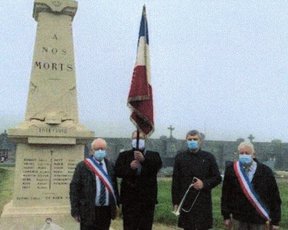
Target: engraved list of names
x,y
45,177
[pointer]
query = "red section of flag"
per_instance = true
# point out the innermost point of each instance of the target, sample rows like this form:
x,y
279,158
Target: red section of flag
x,y
140,89
140,101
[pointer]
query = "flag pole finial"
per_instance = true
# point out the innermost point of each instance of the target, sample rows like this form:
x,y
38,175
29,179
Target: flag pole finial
x,y
144,9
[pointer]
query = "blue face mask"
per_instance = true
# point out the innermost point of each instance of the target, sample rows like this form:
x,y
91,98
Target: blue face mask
x,y
100,154
245,159
192,144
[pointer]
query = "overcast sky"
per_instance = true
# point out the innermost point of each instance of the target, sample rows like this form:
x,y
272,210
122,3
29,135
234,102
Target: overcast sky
x,y
217,66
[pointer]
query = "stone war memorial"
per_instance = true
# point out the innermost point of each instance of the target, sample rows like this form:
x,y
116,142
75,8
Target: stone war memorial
x,y
50,141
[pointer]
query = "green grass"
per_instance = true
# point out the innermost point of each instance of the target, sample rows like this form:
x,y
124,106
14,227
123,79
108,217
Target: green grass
x,y
6,185
163,209
163,213
283,187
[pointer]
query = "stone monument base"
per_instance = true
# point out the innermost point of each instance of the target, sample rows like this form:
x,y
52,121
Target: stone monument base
x,y
37,218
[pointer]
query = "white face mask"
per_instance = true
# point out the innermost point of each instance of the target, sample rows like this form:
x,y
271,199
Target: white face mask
x,y
141,144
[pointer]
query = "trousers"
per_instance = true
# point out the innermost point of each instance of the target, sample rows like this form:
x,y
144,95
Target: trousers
x,y
137,216
239,225
102,219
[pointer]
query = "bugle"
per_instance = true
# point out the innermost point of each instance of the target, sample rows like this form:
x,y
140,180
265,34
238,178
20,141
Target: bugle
x,y
177,212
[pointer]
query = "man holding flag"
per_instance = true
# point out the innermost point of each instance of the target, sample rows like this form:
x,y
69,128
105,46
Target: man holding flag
x,y
138,167
138,170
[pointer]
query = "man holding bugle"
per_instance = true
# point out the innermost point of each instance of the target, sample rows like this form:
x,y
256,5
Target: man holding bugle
x,y
195,174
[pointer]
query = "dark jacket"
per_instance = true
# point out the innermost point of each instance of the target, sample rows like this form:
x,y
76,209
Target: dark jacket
x,y
142,187
83,192
202,165
234,202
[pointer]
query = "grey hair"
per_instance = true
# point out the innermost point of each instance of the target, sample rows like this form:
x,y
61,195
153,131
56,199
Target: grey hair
x,y
195,132
246,144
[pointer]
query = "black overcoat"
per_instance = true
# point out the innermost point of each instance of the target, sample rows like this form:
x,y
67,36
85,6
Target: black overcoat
x,y
83,192
233,200
142,187
202,165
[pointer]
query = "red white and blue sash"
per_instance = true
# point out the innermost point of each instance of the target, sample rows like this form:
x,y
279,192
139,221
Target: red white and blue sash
x,y
249,191
97,169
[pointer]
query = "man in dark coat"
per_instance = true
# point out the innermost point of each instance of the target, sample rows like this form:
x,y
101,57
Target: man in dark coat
x,y
93,203
138,169
236,207
197,167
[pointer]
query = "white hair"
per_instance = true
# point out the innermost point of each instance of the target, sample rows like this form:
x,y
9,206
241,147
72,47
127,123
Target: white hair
x,y
97,141
246,144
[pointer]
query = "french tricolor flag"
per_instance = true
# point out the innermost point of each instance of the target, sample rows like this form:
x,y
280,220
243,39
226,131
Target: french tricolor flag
x,y
140,99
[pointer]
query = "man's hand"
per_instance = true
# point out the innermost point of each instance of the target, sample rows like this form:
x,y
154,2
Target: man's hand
x,y
135,164
138,156
198,184
228,224
77,218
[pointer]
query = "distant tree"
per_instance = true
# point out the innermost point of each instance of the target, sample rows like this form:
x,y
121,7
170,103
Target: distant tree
x,y
239,140
277,152
276,141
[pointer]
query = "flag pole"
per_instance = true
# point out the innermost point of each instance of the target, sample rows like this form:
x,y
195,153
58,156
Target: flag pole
x,y
137,140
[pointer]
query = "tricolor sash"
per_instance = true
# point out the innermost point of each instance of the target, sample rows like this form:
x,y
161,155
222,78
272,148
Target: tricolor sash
x,y
97,169
249,191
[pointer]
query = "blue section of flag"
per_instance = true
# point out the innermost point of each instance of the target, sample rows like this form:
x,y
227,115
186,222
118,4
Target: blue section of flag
x,y
143,32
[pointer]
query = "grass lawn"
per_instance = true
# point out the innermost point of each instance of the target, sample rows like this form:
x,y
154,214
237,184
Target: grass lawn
x,y
163,212
6,185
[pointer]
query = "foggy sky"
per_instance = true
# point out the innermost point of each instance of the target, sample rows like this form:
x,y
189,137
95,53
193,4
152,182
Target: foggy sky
x,y
217,66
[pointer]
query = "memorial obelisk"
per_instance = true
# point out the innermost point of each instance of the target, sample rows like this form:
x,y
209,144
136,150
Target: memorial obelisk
x,y
50,141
